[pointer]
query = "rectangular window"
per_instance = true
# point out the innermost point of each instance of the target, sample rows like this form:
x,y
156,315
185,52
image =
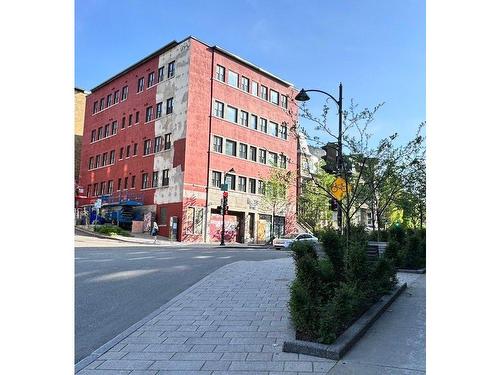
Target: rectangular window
x,y
275,97
163,216
232,114
255,88
99,133
106,130
95,190
91,162
123,122
159,107
168,144
253,122
125,183
242,184
128,151
219,109
132,183
109,100
263,92
101,104
171,69
284,101
243,150
88,190
135,149
217,144
144,184
244,118
110,186
283,161
130,119
272,159
114,127
230,147
112,157
273,128
116,98
119,185
283,131
262,187
216,178
105,159
98,161
245,84
232,78
155,179
124,93
93,136
137,117
95,108
231,181
140,84
262,156
121,153
164,178
263,125
220,73
160,73
151,79
252,185
253,153
149,114
102,188
157,146
147,147
170,105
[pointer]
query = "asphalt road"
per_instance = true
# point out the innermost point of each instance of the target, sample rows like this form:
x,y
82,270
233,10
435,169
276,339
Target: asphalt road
x,y
118,284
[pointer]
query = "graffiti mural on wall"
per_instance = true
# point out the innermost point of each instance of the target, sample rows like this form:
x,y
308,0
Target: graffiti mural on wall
x,y
231,228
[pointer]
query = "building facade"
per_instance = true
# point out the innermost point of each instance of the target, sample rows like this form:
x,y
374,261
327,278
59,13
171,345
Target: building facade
x,y
171,127
79,120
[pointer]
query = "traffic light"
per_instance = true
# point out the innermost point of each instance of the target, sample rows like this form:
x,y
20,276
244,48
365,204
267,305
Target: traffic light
x,y
330,158
334,206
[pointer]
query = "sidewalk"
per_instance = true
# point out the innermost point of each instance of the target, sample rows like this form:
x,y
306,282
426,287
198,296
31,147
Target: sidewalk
x,y
234,321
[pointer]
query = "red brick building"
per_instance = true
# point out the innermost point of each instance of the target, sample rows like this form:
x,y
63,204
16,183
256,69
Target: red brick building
x,y
170,127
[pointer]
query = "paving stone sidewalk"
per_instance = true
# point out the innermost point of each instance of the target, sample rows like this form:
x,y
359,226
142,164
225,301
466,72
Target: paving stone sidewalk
x,y
232,322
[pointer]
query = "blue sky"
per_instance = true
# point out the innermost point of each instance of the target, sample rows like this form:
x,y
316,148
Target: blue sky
x,y
376,48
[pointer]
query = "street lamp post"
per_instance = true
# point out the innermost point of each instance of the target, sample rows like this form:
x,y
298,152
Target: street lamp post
x,y
303,97
223,205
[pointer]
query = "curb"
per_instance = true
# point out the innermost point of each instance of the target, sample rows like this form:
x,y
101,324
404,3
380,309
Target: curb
x,y
98,235
403,270
347,340
84,362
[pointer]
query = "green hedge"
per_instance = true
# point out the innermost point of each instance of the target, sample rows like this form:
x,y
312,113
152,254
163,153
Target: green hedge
x,y
406,247
109,229
327,295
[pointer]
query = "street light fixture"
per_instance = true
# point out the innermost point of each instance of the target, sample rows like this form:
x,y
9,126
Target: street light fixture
x,y
303,97
223,205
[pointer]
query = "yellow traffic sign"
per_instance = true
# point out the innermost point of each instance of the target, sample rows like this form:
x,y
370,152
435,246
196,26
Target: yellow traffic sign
x,y
339,188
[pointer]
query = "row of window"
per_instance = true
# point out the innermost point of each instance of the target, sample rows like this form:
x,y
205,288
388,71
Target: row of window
x,y
102,160
254,186
252,121
104,131
114,98
161,143
245,151
251,87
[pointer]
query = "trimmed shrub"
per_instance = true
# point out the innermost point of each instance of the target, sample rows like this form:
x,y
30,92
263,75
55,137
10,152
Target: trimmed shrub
x,y
357,269
109,229
384,276
304,310
334,249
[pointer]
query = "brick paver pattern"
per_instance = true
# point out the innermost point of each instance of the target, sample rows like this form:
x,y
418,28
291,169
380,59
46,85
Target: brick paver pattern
x,y
232,322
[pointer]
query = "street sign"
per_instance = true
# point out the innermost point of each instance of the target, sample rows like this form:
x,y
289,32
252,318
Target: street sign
x,y
98,203
339,188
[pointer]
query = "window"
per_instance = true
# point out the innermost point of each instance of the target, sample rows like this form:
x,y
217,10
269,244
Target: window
x,y
151,79
171,69
112,157
116,98
219,109
135,149
283,131
170,105
137,117
125,183
155,179
99,133
140,84
282,161
163,216
160,73
121,153
102,187
93,136
164,178
132,183
231,181
95,190
159,107
110,186
232,79
242,184
101,104
124,93
230,147
232,114
273,128
263,125
262,187
284,101
253,122
244,118
272,159
98,161
217,144
88,190
130,119
252,183
263,92
123,122
216,178
114,127
119,184
262,156
147,147
91,162
168,144
220,73
275,97
255,88
243,150
245,84
104,159
109,100
253,153
106,130
149,114
157,146
95,108
144,184
128,151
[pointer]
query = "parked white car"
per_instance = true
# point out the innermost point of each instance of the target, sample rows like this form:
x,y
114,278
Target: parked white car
x,y
286,241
